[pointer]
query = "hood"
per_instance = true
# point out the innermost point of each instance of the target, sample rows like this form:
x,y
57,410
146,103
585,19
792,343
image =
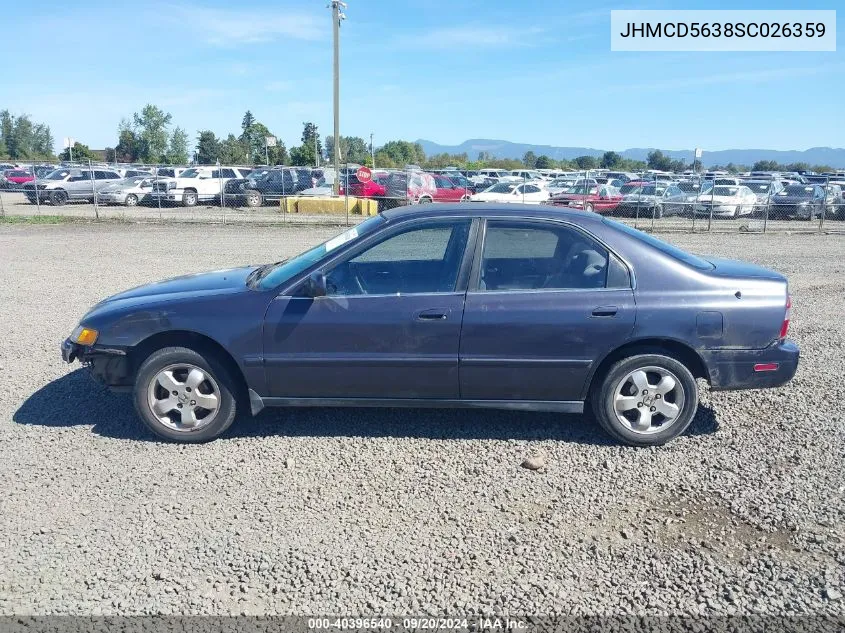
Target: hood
x,y
195,285
790,199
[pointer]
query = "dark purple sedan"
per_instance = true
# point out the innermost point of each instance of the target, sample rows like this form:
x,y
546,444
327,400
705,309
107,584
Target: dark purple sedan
x,y
508,306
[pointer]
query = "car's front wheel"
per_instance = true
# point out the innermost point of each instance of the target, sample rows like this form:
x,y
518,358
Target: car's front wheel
x,y
646,400
190,198
131,200
253,198
58,198
184,396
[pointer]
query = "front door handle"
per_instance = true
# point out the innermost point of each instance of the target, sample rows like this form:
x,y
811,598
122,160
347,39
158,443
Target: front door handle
x,y
433,314
605,311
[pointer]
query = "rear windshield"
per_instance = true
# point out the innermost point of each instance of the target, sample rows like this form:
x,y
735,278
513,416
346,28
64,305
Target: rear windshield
x,y
663,247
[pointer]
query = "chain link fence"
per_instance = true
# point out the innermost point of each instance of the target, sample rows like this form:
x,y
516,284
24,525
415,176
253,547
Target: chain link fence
x,y
650,201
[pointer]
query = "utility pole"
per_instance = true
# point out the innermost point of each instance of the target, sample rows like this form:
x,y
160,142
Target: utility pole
x,y
372,152
337,16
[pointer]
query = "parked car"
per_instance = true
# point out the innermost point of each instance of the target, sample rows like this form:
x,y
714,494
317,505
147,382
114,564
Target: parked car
x,y
408,187
560,185
727,201
129,192
641,198
526,175
834,201
386,313
763,190
513,192
446,190
373,188
169,172
600,198
271,185
14,178
69,185
195,185
802,202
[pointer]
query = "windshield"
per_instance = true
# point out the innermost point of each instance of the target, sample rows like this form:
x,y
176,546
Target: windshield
x,y
664,247
758,187
689,187
629,188
190,173
561,182
276,274
134,180
725,191
501,187
798,190
59,174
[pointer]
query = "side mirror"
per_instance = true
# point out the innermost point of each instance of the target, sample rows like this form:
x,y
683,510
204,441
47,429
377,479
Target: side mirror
x,y
316,285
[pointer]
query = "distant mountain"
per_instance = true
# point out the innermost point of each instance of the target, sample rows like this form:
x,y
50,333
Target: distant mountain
x,y
834,157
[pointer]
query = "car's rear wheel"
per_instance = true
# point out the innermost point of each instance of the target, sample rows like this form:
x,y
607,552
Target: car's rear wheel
x,y
189,198
184,396
646,400
58,198
253,198
588,207
131,200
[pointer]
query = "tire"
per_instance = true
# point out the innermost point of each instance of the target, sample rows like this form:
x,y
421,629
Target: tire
x,y
190,198
425,200
588,207
176,367
131,200
658,211
464,198
618,385
253,198
58,198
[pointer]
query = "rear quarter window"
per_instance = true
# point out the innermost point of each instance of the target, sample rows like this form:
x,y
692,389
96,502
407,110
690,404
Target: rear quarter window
x,y
664,247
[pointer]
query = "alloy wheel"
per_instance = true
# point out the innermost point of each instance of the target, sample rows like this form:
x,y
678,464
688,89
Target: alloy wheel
x,y
184,397
648,400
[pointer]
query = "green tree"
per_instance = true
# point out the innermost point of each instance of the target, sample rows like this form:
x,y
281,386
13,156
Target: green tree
x,y
279,154
7,126
586,162
529,159
658,160
80,153
127,146
611,160
208,147
177,153
399,154
302,155
232,151
765,165
544,162
310,136
151,128
23,137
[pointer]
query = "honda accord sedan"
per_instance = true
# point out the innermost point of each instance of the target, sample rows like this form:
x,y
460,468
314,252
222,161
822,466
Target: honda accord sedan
x,y
465,305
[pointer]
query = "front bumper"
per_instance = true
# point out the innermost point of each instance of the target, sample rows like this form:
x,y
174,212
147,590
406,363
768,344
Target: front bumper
x,y
752,369
109,365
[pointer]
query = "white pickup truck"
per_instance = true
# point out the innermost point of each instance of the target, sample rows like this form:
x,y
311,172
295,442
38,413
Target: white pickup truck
x,y
196,184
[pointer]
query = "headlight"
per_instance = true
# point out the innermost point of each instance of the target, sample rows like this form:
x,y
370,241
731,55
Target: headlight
x,y
84,335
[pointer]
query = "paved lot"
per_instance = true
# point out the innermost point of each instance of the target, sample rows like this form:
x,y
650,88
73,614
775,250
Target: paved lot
x,y
394,511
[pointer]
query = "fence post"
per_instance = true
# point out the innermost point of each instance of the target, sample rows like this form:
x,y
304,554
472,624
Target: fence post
x,y
824,202
37,197
346,192
712,200
695,204
768,204
93,190
220,181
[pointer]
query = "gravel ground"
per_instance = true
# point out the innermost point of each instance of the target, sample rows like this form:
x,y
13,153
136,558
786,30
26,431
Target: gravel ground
x,y
397,511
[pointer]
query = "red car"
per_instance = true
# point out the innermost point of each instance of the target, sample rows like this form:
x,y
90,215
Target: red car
x,y
599,198
373,188
18,176
448,191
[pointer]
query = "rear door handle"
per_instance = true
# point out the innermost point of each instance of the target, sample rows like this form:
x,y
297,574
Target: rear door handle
x,y
433,314
605,311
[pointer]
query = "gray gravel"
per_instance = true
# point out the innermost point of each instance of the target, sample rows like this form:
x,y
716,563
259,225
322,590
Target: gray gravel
x,y
395,511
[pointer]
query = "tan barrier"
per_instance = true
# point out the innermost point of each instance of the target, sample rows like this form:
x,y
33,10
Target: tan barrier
x,y
313,205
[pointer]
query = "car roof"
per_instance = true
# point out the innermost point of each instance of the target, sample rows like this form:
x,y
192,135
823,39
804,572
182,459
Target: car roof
x,y
492,209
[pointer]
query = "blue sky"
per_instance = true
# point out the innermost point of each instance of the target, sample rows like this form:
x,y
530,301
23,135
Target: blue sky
x,y
532,71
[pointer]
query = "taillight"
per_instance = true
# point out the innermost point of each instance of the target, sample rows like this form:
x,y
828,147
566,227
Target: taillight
x,y
784,328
